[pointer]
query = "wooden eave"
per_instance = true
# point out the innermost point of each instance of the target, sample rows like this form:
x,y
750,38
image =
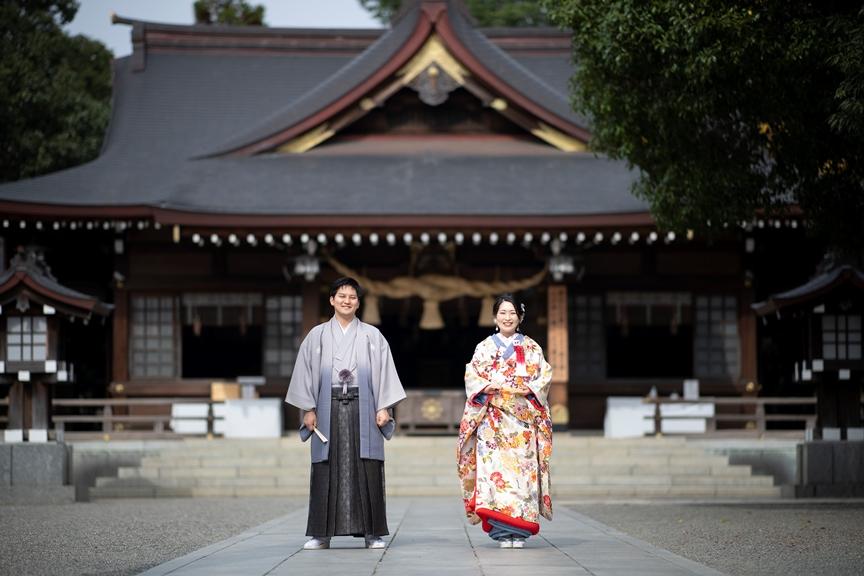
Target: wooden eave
x,y
22,281
326,222
776,303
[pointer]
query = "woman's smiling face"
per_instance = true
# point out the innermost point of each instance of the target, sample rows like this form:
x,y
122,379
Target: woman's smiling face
x,y
507,319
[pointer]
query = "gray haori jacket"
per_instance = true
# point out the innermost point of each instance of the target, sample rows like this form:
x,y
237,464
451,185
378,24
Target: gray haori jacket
x,y
378,382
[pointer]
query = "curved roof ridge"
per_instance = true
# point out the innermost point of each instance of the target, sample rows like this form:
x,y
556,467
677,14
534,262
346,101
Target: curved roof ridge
x,y
514,74
234,30
349,77
812,289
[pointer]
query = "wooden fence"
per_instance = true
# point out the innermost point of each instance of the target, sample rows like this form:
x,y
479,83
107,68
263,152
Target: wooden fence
x,y
105,421
750,413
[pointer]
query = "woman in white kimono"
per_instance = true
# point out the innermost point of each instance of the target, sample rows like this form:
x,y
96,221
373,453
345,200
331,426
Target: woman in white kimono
x,y
505,437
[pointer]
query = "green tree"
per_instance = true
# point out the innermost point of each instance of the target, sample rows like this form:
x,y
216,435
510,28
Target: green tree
x,y
231,12
729,109
487,13
55,90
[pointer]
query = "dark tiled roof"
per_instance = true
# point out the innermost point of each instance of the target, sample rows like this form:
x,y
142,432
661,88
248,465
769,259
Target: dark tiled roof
x,y
28,267
328,91
533,86
184,103
428,184
812,289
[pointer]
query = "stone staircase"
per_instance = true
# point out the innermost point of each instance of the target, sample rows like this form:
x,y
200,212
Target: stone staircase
x,y
582,467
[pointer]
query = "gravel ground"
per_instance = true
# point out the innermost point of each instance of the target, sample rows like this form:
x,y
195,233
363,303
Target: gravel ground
x,y
120,537
783,539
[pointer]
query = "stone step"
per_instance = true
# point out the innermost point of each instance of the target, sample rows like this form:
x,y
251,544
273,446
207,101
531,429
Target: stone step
x,y
250,491
571,492
676,491
593,476
410,461
224,476
195,481
665,480
582,467
253,447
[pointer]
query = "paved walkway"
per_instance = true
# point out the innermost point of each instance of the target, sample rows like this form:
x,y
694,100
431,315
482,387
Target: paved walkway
x,y
430,537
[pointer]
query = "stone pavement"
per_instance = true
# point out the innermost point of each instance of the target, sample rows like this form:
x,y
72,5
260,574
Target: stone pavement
x,y
430,536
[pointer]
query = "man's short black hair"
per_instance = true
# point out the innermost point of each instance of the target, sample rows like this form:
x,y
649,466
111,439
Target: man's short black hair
x,y
346,281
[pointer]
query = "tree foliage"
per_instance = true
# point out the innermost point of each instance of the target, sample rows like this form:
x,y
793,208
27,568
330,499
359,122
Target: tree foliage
x,y
487,13
728,108
55,90
230,12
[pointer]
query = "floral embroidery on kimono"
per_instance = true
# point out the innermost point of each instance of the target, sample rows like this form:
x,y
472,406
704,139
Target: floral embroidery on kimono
x,y
505,438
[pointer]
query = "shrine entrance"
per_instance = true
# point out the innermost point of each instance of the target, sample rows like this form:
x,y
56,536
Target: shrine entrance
x,y
430,359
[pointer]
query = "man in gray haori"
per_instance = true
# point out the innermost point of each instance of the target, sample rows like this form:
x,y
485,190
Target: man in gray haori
x,y
345,382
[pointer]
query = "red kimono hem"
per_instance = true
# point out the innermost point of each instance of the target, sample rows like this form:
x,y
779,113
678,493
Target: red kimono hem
x,y
485,514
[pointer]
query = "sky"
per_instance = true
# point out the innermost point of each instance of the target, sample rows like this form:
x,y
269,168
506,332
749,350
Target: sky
x,y
94,17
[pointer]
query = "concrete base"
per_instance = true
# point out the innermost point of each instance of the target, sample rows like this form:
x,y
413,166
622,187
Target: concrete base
x,y
5,465
13,435
35,474
30,495
37,435
830,469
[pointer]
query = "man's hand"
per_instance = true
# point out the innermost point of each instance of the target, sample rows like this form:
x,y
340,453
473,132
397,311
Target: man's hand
x,y
310,419
382,417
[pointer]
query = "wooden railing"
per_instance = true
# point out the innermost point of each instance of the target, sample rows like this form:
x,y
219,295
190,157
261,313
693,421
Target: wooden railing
x,y
105,418
758,419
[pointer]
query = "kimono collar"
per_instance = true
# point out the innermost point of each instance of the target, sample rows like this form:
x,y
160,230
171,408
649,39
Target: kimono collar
x,y
508,349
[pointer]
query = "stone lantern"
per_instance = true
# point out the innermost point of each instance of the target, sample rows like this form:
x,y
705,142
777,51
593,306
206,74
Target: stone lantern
x,y
34,307
827,311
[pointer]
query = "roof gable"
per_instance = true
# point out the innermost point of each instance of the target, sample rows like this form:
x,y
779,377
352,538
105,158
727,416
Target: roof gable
x,y
432,43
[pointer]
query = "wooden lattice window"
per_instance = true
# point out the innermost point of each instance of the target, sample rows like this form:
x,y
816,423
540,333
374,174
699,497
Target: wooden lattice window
x,y
589,357
716,343
841,337
284,316
26,339
152,345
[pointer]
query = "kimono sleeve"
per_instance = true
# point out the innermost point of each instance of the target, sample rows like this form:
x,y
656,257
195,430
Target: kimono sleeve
x,y
542,377
389,391
478,373
303,389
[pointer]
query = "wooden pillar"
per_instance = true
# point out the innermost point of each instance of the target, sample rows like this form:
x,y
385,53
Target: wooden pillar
x,y
16,407
311,309
747,334
557,353
120,357
40,406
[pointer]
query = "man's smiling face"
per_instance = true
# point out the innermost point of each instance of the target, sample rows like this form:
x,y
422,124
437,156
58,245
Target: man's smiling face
x,y
345,302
